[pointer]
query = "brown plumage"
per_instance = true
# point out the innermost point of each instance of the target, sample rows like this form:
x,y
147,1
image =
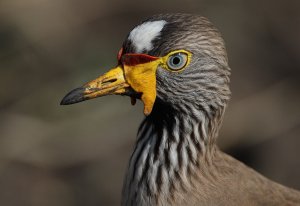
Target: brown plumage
x,y
176,160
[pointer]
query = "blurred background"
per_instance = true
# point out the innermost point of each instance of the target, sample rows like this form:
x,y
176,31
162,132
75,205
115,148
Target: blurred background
x,y
77,155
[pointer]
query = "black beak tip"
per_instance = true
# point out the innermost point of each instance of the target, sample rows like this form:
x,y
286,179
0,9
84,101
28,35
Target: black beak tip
x,y
74,96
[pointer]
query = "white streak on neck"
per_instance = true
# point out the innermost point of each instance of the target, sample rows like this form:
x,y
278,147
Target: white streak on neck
x,y
143,35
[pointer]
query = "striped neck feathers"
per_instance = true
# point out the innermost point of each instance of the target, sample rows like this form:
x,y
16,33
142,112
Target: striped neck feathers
x,y
170,149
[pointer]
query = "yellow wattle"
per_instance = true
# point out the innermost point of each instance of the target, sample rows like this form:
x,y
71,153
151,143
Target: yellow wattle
x,y
142,78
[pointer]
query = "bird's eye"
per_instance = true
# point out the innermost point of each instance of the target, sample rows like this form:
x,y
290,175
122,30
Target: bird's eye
x,y
177,61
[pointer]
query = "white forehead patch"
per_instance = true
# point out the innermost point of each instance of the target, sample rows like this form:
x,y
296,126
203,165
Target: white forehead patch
x,y
143,35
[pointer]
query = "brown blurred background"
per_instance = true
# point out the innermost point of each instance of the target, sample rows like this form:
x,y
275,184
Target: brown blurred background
x,y
76,155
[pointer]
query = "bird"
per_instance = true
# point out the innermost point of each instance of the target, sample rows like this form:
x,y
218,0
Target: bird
x,y
177,65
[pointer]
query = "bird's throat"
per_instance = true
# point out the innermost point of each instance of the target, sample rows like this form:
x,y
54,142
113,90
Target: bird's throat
x,y
167,155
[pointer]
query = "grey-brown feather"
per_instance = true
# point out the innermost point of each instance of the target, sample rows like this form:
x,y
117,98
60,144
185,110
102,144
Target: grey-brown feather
x,y
176,160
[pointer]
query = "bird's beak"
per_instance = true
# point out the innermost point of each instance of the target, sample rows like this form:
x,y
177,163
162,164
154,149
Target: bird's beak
x,y
112,82
137,80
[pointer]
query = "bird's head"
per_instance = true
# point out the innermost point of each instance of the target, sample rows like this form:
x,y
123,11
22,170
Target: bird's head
x,y
178,60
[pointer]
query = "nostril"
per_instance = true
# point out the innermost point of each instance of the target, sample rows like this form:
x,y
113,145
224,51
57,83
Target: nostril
x,y
108,81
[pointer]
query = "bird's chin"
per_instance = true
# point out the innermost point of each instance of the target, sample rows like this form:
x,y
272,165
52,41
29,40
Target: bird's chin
x,y
133,95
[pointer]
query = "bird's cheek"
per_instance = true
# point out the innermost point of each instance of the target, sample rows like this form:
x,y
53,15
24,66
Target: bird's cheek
x,y
142,79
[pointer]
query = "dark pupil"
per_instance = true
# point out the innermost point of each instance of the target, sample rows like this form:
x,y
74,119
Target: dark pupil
x,y
176,60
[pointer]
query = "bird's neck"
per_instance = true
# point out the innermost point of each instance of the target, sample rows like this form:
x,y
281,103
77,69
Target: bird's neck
x,y
171,148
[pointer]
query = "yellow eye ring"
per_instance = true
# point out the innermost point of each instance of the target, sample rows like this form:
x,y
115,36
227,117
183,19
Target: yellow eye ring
x,y
176,61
